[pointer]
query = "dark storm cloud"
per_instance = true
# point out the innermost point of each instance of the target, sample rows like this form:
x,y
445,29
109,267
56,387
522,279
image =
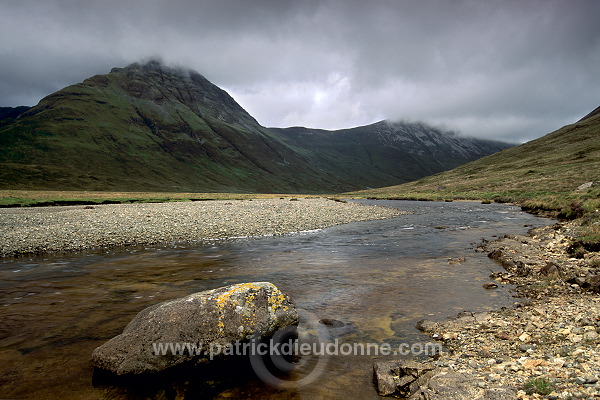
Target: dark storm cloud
x,y
510,70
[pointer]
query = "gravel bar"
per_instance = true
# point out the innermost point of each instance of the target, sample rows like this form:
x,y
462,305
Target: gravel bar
x,y
75,228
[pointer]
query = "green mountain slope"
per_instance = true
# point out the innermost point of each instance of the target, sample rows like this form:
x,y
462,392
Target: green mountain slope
x,y
555,164
145,128
9,114
154,128
387,152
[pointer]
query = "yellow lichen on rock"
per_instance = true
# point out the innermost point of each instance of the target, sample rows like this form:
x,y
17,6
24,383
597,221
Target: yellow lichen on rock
x,y
246,305
276,302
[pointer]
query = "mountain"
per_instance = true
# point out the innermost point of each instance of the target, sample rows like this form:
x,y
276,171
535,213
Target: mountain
x,y
595,112
388,152
9,114
151,127
553,165
146,127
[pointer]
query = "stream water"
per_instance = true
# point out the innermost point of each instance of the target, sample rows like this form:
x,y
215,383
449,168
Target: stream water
x,y
380,277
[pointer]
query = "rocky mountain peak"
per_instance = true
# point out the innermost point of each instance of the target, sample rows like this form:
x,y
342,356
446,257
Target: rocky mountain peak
x,y
159,83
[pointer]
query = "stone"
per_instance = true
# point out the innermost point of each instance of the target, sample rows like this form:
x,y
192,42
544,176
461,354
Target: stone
x,y
426,325
449,336
336,328
594,283
586,186
591,335
550,271
532,363
580,380
489,285
575,338
211,320
524,337
482,317
526,347
521,269
401,377
447,385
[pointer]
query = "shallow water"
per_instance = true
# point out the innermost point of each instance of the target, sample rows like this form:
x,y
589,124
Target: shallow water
x,y
379,276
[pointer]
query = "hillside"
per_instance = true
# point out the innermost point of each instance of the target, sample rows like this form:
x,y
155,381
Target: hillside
x,y
9,114
154,128
555,164
146,127
389,152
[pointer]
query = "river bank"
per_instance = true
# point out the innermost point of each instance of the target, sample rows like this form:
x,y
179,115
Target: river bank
x,y
74,228
547,346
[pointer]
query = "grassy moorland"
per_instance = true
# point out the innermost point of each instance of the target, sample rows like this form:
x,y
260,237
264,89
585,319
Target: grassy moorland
x,y
38,198
542,176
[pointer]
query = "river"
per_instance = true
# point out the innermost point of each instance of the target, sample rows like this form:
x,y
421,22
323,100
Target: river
x,y
378,277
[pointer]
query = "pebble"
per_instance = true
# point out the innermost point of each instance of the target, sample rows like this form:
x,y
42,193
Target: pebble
x,y
35,230
553,334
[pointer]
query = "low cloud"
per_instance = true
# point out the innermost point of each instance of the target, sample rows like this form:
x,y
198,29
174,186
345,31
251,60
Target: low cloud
x,y
503,70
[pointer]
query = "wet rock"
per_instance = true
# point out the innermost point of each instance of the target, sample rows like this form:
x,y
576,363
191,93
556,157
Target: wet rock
x,y
482,317
211,319
522,269
332,323
426,325
490,285
336,328
401,377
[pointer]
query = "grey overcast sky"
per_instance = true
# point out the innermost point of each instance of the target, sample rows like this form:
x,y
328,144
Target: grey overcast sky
x,y
502,69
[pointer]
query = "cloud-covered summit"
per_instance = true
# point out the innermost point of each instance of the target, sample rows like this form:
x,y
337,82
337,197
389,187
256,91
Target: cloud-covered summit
x,y
503,70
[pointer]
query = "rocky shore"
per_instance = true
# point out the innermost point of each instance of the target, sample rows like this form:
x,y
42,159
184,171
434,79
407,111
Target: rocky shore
x,y
73,228
548,345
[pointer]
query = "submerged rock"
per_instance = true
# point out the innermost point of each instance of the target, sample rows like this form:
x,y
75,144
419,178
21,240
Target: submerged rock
x,y
336,328
209,321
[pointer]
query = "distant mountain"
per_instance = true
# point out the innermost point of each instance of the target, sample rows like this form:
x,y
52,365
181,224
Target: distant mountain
x,y
388,152
9,114
152,127
555,164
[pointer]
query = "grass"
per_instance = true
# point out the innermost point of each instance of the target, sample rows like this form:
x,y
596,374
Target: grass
x,y
538,385
38,198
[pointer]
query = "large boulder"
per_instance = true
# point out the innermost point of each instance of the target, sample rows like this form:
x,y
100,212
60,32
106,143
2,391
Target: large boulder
x,y
195,328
